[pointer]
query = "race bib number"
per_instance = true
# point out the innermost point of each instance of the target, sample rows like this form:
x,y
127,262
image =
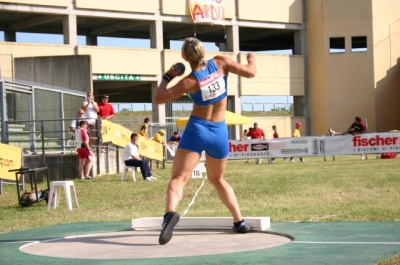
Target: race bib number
x,y
212,86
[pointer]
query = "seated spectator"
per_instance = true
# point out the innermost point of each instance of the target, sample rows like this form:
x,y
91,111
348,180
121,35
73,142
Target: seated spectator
x,y
174,139
132,158
357,127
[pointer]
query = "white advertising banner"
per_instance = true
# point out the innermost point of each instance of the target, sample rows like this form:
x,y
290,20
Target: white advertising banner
x,y
368,143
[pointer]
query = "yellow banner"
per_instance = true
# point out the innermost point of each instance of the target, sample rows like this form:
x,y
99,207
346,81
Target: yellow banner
x,y
10,158
207,11
121,136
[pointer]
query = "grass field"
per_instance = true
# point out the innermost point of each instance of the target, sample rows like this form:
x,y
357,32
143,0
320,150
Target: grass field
x,y
348,189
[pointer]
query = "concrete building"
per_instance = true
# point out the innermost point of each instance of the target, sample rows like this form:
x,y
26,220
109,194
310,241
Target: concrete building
x,y
343,61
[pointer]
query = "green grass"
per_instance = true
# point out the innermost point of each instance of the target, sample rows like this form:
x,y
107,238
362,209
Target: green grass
x,y
348,189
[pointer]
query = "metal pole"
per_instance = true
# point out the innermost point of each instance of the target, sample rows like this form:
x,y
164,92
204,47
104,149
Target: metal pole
x,y
43,152
3,125
98,133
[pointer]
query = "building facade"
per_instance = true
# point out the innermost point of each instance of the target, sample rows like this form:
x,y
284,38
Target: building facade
x,y
342,61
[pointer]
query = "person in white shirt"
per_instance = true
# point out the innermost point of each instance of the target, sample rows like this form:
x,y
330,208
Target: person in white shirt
x,y
74,125
132,158
91,108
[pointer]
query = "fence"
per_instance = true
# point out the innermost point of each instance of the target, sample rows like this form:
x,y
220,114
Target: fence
x,y
183,109
34,139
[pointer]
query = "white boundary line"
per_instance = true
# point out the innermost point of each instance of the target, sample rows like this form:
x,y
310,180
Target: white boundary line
x,y
347,243
194,197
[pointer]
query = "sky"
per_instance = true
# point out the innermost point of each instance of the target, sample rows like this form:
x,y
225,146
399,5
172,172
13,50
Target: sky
x,y
257,101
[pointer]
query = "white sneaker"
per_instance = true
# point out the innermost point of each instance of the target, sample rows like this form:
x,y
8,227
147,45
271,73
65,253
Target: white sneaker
x,y
291,161
148,179
331,132
258,161
152,178
303,161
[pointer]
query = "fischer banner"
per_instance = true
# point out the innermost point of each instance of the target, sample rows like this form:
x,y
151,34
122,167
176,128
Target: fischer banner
x,y
207,11
368,143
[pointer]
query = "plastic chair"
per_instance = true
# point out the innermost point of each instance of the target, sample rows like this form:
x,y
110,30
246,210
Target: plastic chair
x,y
55,188
127,168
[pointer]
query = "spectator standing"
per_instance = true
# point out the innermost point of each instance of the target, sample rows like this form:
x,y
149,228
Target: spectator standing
x,y
274,135
159,137
132,158
296,133
106,110
91,108
245,132
207,130
256,133
143,128
85,155
74,125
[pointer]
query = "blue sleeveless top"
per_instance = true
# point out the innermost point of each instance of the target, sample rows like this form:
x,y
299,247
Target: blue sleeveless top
x,y
212,85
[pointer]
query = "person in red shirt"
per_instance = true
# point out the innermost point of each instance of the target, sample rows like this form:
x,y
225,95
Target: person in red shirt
x,y
106,110
275,135
256,133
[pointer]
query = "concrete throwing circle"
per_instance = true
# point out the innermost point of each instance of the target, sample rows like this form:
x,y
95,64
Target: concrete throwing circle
x,y
144,244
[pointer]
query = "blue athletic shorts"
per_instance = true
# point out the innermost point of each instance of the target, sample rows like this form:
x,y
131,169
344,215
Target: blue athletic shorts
x,y
205,135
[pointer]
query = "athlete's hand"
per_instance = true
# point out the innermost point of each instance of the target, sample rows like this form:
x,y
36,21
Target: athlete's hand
x,y
177,69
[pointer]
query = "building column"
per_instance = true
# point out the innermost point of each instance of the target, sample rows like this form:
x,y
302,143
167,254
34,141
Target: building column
x,y
232,45
91,40
156,35
10,35
157,42
70,30
232,39
159,112
298,49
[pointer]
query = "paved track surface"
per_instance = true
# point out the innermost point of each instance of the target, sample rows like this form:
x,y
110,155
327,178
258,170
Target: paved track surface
x,y
116,243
